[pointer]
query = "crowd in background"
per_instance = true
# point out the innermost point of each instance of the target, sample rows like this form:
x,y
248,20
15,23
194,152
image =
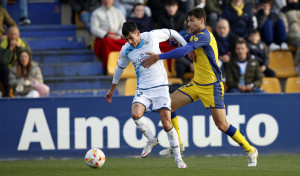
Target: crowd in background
x,y
245,31
20,76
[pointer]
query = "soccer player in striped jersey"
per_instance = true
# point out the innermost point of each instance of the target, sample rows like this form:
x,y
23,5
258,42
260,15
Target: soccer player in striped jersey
x,y
207,83
152,84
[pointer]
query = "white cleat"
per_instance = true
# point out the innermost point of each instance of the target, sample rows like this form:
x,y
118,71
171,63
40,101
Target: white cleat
x,y
169,151
148,148
180,163
252,158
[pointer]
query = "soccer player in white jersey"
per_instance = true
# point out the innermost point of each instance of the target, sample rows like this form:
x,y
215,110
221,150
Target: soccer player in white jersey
x,y
152,83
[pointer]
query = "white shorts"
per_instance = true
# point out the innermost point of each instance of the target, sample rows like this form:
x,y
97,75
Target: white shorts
x,y
158,97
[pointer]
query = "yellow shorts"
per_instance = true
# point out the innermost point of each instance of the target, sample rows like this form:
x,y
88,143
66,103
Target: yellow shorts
x,y
211,95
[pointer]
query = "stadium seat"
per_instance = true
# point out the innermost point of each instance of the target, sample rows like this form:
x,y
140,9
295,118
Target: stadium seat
x,y
169,73
129,71
130,85
292,85
282,63
271,85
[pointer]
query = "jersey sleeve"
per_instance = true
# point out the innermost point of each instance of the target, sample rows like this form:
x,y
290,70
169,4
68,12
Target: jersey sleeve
x,y
160,35
186,38
123,61
198,41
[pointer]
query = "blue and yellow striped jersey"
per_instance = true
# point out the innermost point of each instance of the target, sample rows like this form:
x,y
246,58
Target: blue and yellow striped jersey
x,y
207,68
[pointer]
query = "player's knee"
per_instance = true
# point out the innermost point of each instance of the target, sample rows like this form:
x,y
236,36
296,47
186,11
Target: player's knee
x,y
221,126
136,115
167,125
173,108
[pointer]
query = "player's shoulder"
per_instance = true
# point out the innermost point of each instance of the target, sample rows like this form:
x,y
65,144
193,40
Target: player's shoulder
x,y
145,34
204,34
125,46
158,31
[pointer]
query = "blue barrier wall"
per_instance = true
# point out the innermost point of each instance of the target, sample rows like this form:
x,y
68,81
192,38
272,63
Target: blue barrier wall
x,y
67,127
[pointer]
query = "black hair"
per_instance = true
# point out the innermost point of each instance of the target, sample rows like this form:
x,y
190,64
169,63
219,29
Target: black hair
x,y
253,31
129,26
137,4
198,13
241,41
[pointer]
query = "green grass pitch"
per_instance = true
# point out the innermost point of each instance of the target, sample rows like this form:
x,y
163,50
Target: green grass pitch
x,y
281,165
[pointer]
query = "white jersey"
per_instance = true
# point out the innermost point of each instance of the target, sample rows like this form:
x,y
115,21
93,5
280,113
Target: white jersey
x,y
155,75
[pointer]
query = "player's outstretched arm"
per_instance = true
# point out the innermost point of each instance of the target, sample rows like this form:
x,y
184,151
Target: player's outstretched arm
x,y
117,75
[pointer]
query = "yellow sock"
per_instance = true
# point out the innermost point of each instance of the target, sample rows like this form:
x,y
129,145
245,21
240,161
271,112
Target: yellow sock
x,y
176,126
239,138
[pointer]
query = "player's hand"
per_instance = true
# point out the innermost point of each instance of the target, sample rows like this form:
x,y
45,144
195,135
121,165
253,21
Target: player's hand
x,y
108,96
192,69
175,41
192,56
149,61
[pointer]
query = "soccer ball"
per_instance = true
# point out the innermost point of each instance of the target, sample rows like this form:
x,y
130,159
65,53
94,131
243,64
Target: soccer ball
x,y
94,158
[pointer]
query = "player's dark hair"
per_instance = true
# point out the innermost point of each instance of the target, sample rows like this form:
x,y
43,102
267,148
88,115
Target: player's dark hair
x,y
170,2
198,13
254,31
129,26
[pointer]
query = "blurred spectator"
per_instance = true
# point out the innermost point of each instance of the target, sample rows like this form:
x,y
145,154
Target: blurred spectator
x,y
253,4
10,48
23,11
226,42
5,21
172,18
106,26
85,8
259,51
26,78
143,22
243,72
291,17
200,3
128,6
214,9
185,5
240,17
271,27
157,9
278,5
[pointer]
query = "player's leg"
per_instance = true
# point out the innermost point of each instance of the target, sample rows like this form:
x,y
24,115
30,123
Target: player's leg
x,y
219,116
175,123
165,117
137,113
178,99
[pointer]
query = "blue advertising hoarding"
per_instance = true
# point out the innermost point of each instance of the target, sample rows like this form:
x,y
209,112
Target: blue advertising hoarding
x,y
68,127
